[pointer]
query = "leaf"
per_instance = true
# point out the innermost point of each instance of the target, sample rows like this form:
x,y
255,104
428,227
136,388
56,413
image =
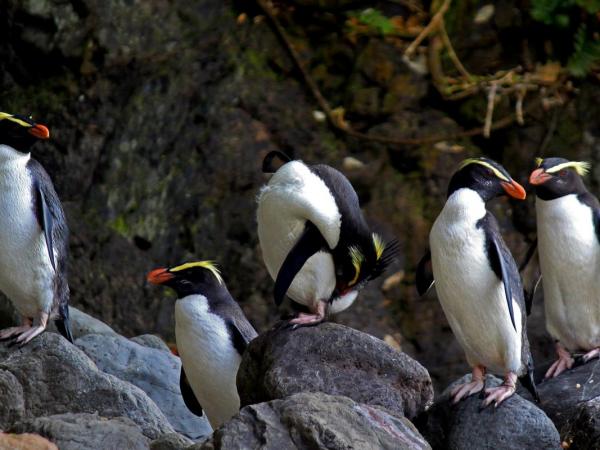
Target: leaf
x,y
586,53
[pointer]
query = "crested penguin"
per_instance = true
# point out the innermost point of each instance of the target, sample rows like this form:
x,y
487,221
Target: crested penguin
x,y
568,230
212,333
33,234
477,281
315,241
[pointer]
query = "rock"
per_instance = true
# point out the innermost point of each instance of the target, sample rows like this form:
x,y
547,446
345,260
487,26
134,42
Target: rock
x,y
336,360
516,423
583,429
83,324
156,372
315,421
171,441
562,396
55,377
152,341
86,431
26,441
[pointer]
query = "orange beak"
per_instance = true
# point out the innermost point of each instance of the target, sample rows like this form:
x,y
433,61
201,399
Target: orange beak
x,y
514,189
40,131
538,176
160,276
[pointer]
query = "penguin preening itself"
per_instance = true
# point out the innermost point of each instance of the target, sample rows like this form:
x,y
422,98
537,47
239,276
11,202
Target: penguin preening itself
x,y
33,234
568,239
315,241
477,280
212,333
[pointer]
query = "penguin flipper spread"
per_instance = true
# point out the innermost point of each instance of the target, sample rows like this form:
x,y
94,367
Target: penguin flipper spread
x,y
309,243
189,398
424,275
45,219
267,165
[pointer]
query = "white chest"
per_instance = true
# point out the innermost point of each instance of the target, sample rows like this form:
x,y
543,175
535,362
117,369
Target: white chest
x,y
570,262
208,357
26,273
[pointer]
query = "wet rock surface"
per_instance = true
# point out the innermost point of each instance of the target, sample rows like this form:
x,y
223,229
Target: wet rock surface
x,y
515,423
315,421
336,360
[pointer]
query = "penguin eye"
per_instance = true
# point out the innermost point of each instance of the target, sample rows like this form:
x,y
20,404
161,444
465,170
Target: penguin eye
x,y
562,173
185,283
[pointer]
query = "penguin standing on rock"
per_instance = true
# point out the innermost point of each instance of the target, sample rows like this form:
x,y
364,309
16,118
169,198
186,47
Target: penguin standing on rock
x,y
477,281
212,333
33,234
568,229
315,241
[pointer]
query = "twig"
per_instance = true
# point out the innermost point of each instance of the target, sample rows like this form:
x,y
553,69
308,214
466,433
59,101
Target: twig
x,y
457,63
490,110
336,120
521,92
431,26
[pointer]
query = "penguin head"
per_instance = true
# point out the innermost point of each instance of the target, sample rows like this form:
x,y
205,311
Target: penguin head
x,y
488,178
20,132
362,263
189,278
557,177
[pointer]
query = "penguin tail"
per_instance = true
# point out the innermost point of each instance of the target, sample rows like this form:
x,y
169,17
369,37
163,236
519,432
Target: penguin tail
x,y
528,383
63,324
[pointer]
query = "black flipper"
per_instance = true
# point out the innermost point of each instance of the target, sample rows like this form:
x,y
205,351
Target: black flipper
x,y
424,275
530,252
189,398
63,324
43,212
309,243
530,294
237,338
495,254
267,165
528,382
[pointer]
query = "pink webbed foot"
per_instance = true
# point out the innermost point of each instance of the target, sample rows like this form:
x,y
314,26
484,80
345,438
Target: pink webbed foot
x,y
8,333
26,333
314,318
500,393
474,386
595,353
564,362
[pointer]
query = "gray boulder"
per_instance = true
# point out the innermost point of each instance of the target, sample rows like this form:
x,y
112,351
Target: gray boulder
x,y
152,341
516,423
315,421
336,360
171,441
562,396
583,429
50,376
86,431
154,371
82,324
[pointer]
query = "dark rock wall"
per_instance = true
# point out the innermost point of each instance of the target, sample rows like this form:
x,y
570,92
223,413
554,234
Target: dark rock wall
x,y
161,111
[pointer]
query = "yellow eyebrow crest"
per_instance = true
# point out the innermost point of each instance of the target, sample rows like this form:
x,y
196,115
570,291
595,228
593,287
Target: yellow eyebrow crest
x,y
496,172
10,117
209,265
581,167
539,161
379,245
357,260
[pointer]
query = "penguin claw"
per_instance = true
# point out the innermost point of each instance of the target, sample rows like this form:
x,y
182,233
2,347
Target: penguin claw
x,y
595,353
13,332
498,394
564,362
465,390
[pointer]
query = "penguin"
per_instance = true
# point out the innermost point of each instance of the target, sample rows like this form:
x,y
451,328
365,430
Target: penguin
x,y
212,333
314,238
568,236
477,281
33,234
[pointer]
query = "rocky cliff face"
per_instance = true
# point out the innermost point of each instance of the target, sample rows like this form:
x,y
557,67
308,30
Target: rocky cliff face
x,y
161,112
